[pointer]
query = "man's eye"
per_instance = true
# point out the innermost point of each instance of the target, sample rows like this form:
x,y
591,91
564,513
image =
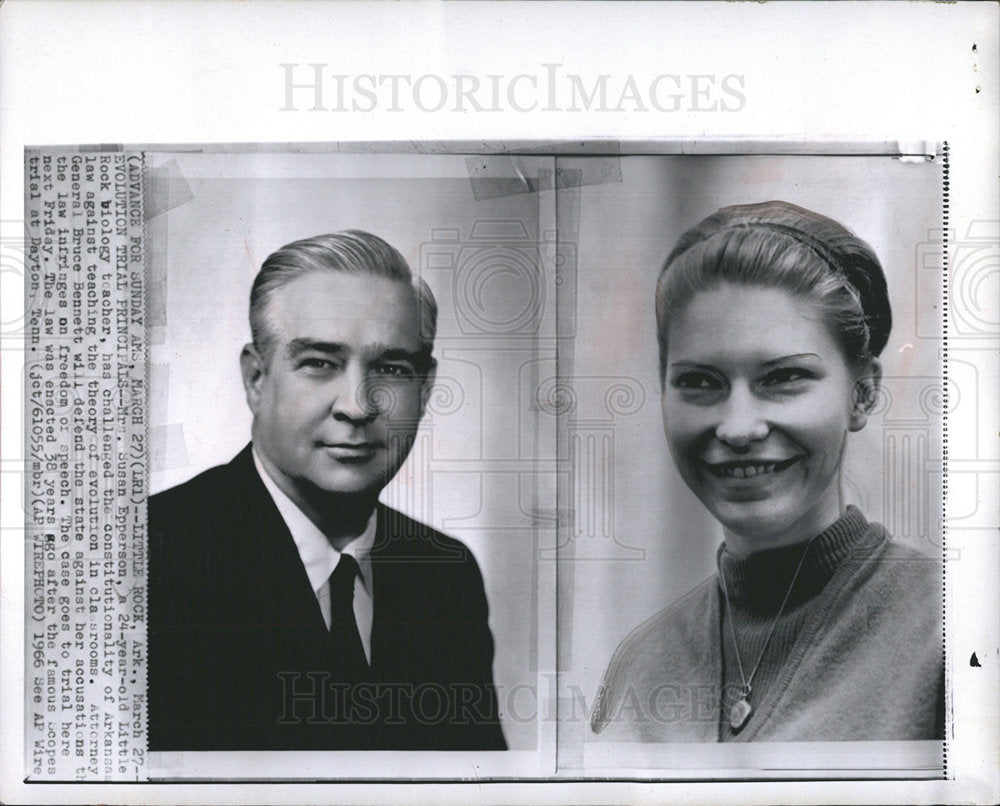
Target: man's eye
x,y
786,375
394,370
697,380
317,363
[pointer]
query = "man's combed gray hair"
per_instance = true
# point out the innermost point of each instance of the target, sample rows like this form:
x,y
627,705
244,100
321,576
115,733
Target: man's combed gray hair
x,y
351,251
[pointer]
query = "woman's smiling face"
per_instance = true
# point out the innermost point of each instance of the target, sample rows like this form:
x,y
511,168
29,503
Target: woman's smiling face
x,y
757,403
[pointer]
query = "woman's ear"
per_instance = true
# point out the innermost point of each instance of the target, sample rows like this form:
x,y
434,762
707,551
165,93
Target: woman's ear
x,y
866,390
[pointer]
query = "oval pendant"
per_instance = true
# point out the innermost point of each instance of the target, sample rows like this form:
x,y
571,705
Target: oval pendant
x,y
739,714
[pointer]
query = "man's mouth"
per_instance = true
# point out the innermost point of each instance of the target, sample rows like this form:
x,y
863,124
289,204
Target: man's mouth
x,y
745,469
349,450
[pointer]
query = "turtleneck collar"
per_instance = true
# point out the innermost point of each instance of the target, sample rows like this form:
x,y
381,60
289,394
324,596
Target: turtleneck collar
x,y
760,581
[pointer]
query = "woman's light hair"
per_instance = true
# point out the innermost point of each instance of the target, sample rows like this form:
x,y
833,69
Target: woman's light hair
x,y
779,245
350,251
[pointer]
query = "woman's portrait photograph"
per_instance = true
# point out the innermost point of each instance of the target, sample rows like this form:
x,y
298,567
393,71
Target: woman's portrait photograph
x,y
772,570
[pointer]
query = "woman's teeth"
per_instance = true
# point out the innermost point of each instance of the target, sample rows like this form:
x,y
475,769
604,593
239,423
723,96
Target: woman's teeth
x,y
746,470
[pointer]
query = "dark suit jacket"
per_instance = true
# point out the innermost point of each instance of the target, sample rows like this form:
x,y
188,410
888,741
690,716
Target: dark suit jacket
x,y
239,655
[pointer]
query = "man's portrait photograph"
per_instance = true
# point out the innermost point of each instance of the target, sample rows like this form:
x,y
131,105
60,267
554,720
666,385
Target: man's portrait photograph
x,y
342,531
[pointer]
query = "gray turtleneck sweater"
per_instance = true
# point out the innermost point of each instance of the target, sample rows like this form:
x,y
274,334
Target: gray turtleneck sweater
x,y
856,653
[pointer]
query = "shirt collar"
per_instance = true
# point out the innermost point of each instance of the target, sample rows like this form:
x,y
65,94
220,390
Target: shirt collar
x,y
318,556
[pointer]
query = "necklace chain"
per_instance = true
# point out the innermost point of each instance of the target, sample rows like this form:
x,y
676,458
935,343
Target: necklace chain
x,y
732,627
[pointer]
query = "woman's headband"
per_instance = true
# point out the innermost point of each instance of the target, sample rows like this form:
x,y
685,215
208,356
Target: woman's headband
x,y
846,254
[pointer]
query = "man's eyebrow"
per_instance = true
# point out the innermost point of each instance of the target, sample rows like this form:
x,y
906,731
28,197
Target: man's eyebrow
x,y
397,354
303,345
378,351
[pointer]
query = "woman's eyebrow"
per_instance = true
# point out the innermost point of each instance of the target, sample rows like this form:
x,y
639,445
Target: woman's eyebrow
x,y
788,358
767,363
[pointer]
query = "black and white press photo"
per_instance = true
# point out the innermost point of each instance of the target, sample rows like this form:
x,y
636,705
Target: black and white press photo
x,y
499,403
559,465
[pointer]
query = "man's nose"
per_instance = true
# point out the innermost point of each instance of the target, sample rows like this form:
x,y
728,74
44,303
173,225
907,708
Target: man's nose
x,y
742,420
352,399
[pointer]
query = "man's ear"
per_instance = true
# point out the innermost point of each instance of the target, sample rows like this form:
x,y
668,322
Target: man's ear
x,y
253,369
427,385
865,394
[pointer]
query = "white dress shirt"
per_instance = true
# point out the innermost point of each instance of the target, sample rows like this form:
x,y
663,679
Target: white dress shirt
x,y
320,558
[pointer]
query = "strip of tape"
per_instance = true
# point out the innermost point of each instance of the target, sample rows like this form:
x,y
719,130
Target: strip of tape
x,y
497,176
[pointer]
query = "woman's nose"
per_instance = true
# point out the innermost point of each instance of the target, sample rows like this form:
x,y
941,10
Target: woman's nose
x,y
742,421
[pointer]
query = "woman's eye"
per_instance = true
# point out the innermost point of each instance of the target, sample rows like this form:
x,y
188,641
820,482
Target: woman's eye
x,y
786,375
697,380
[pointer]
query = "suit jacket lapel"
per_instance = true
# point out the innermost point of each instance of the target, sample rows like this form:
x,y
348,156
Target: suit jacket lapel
x,y
400,642
283,593
384,595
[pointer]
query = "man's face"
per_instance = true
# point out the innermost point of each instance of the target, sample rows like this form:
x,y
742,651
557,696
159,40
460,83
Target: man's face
x,y
339,399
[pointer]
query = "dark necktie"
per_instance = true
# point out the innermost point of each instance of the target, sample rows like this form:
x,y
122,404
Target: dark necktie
x,y
349,662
